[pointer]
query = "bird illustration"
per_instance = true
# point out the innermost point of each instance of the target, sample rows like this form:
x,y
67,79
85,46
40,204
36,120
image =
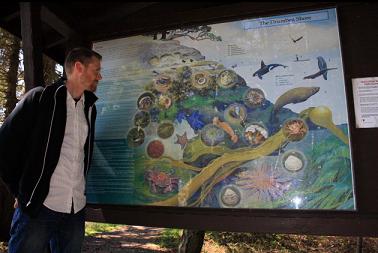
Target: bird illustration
x,y
323,70
295,40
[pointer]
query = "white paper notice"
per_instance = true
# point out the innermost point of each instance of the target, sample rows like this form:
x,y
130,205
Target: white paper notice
x,y
365,95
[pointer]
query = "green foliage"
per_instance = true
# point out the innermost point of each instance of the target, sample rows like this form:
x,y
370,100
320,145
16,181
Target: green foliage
x,y
168,114
93,228
170,238
198,101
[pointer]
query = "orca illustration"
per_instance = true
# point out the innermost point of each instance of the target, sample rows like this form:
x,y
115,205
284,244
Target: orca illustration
x,y
323,70
266,68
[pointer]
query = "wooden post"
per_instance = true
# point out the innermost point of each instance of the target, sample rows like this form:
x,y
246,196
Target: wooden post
x,y
191,241
31,44
359,244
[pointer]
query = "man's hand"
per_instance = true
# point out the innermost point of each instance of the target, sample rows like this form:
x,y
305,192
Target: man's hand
x,y
15,205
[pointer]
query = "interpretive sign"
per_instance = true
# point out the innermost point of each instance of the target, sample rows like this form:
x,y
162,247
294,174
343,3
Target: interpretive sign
x,y
244,114
365,94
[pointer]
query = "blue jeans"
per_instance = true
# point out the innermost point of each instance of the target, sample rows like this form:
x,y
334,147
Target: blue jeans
x,y
63,232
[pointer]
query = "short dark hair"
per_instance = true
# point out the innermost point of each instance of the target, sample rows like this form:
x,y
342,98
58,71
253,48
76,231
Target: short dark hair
x,y
81,54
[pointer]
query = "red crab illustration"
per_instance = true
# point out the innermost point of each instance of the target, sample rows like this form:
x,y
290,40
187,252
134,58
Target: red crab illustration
x,y
161,182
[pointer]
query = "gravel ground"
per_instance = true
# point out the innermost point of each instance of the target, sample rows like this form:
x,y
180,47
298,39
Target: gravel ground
x,y
126,239
144,240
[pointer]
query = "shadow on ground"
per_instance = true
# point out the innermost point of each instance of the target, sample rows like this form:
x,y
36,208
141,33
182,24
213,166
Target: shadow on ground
x,y
126,239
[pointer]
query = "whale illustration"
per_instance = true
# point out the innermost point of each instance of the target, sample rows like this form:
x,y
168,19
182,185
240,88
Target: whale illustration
x,y
323,70
266,68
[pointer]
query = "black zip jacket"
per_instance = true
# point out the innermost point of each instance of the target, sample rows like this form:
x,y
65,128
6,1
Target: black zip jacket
x,y
30,141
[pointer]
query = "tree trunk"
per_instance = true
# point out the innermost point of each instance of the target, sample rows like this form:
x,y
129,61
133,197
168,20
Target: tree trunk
x,y
6,211
49,73
12,75
191,241
6,199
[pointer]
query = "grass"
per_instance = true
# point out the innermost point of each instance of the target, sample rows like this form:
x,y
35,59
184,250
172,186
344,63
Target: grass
x,y
284,243
170,238
93,228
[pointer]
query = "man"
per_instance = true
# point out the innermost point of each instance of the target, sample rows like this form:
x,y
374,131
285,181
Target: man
x,y
46,146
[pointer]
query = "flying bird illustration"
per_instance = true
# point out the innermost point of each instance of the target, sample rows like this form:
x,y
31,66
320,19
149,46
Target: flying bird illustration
x,y
295,40
323,70
266,68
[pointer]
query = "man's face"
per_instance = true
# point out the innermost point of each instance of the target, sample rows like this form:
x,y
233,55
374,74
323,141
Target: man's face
x,y
91,75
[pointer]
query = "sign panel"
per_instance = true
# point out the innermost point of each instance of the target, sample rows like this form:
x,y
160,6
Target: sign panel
x,y
365,94
244,114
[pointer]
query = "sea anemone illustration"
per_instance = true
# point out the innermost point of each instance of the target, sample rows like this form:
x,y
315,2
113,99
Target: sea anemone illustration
x,y
235,114
254,97
135,137
263,182
212,135
142,119
165,130
227,78
146,101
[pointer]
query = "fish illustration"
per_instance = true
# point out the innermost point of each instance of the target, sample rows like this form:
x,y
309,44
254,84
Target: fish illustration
x,y
294,96
322,69
266,68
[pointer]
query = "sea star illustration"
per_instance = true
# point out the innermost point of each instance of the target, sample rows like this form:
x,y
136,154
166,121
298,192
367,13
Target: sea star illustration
x,y
182,140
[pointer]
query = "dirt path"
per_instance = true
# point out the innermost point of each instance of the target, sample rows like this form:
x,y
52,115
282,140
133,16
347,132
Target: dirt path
x,y
125,239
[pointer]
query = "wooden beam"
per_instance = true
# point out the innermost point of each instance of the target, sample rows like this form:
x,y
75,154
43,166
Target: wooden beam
x,y
307,222
31,44
57,42
12,16
56,23
116,12
51,17
180,16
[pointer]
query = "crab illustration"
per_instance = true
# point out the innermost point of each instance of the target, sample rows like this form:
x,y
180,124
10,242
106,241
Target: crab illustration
x,y
295,129
161,182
